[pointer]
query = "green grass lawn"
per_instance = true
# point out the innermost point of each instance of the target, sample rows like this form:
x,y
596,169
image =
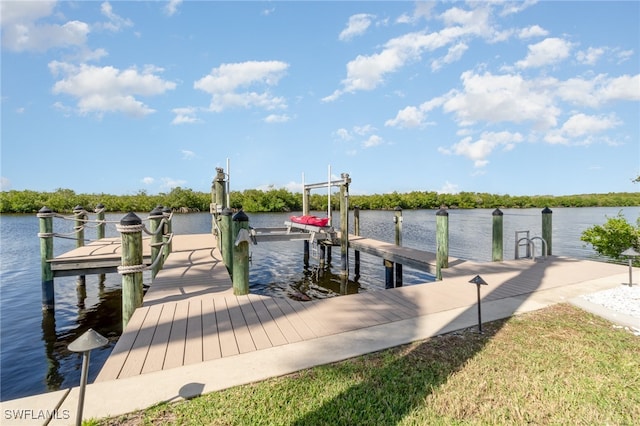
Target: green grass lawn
x,y
558,366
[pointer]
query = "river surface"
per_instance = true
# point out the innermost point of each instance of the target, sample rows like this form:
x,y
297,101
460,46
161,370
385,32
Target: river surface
x,y
33,345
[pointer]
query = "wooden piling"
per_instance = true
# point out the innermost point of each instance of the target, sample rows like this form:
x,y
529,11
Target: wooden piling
x,y
442,241
240,276
130,229
99,210
166,233
497,249
356,231
397,219
218,200
344,224
155,223
547,228
226,230
45,219
388,273
80,218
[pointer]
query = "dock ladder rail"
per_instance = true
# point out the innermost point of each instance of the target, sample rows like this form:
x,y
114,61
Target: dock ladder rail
x,y
529,244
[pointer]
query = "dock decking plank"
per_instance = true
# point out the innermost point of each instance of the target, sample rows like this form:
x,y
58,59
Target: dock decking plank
x,y
177,337
158,347
259,335
287,329
240,328
193,345
274,333
210,341
228,345
138,353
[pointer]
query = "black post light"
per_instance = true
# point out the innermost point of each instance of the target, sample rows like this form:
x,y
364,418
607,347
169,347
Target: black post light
x,y
630,253
89,341
478,281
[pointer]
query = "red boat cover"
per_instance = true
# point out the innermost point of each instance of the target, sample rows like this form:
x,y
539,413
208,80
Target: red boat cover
x,y
310,220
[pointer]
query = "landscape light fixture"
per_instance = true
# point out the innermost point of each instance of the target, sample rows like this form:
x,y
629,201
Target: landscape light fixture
x,y
630,253
89,341
478,281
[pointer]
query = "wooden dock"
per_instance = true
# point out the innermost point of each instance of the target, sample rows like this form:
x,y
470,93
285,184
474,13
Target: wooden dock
x,y
190,314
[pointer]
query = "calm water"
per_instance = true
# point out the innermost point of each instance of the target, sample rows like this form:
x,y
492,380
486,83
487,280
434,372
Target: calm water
x,y
34,356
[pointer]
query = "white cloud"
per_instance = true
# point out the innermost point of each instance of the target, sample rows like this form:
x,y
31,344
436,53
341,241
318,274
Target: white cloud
x,y
374,140
532,31
185,115
224,84
480,149
148,180
116,22
503,98
356,26
582,129
275,118
599,90
343,134
407,117
590,56
171,8
21,30
449,188
454,54
188,155
366,72
5,184
170,183
108,89
548,52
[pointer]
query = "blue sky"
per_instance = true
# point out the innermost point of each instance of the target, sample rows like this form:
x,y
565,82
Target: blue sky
x,y
520,98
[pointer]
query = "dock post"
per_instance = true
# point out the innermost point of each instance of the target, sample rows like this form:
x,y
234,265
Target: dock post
x,y
344,225
45,216
130,229
305,211
80,218
397,219
99,210
442,241
155,221
356,231
241,238
547,228
166,233
388,273
497,242
226,229
219,200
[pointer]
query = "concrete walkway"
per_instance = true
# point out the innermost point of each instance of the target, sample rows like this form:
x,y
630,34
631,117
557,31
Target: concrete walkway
x,y
116,397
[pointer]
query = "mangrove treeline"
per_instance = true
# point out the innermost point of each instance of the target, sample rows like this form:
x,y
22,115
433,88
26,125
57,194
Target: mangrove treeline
x,y
282,200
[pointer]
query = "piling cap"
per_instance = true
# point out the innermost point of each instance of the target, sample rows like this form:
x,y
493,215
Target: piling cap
x,y
45,209
100,206
166,210
130,219
88,341
442,212
397,208
78,208
497,212
157,211
546,210
240,217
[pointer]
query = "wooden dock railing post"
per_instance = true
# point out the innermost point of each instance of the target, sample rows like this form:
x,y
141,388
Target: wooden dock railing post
x,y
99,210
80,218
155,219
356,231
241,238
442,241
166,234
397,219
226,229
497,249
547,228
344,225
45,219
130,229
